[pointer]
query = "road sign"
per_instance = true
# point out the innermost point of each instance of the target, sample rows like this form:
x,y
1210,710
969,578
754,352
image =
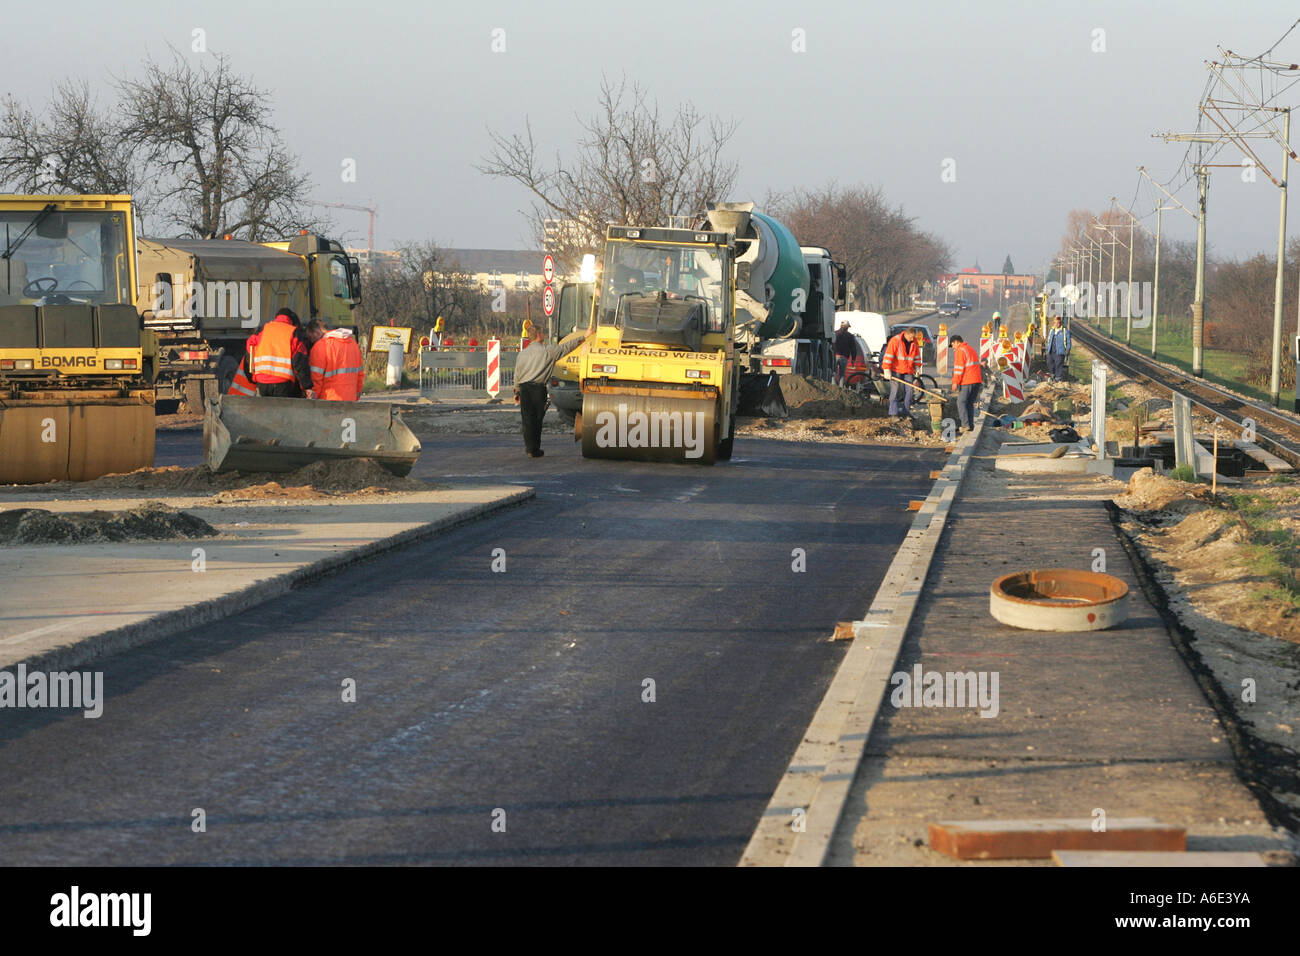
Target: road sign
x,y
382,336
548,270
548,300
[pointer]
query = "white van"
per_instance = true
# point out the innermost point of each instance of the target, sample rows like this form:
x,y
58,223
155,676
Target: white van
x,y
871,327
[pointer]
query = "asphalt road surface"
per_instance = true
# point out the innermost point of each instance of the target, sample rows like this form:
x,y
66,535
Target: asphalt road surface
x,y
515,698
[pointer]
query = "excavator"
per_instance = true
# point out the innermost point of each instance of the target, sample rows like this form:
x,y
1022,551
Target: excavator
x,y
659,380
76,400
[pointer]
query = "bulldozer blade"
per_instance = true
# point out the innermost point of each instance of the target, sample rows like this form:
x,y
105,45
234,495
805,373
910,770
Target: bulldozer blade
x,y
74,435
284,434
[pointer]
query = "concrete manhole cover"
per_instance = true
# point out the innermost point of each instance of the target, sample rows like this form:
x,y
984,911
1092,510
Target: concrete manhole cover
x,y
1059,599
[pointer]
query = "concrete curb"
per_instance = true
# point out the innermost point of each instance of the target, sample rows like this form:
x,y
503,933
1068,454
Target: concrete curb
x,y
815,786
173,622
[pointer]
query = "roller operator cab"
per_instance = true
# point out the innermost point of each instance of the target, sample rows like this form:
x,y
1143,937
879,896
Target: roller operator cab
x,y
659,379
75,363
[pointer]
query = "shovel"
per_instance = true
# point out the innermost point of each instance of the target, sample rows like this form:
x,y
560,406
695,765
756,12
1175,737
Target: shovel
x,y
1057,452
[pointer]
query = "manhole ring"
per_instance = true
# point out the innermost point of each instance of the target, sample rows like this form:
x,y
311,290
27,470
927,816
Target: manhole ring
x,y
1059,599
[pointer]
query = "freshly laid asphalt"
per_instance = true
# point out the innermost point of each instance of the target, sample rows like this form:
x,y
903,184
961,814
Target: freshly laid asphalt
x,y
513,698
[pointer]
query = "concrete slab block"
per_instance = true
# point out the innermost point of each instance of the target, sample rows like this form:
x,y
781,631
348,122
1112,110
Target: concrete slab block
x,y
1036,839
1154,858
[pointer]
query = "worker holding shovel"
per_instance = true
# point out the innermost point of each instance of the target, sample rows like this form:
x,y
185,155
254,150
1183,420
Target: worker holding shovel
x,y
967,380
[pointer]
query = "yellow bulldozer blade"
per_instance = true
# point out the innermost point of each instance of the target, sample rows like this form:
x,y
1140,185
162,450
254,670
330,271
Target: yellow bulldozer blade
x,y
283,434
641,424
74,435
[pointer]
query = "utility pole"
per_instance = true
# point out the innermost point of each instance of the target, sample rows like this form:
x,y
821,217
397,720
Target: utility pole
x,y
1128,298
1155,294
1110,292
1275,377
1198,304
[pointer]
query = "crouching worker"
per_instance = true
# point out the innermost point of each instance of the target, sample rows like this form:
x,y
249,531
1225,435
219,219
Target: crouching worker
x,y
337,371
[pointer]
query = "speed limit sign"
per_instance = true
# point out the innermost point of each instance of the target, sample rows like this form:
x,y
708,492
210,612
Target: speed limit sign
x,y
548,300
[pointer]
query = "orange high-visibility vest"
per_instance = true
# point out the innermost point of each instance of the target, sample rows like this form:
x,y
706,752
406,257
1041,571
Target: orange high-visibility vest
x,y
965,366
241,384
337,373
901,357
272,357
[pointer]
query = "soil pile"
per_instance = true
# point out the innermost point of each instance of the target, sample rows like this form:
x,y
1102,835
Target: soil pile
x,y
1148,491
319,479
814,398
151,521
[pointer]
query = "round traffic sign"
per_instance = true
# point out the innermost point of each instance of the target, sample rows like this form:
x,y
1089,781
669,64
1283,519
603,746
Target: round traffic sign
x,y
548,270
548,300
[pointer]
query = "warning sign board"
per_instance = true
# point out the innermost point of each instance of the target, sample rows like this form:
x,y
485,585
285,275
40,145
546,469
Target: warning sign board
x,y
382,336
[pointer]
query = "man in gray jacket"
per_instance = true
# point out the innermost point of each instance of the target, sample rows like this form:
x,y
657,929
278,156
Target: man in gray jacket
x,y
533,370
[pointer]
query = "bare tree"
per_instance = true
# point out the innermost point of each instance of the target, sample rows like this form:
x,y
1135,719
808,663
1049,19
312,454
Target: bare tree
x,y
70,145
883,252
634,165
221,165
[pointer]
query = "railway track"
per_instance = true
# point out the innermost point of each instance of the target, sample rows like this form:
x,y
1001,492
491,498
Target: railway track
x,y
1276,429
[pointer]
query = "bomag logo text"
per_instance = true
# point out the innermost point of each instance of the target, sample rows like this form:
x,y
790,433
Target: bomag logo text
x,y
67,361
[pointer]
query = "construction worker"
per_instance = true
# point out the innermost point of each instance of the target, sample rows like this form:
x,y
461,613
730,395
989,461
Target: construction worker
x,y
1058,350
846,348
241,384
899,364
533,369
337,372
276,358
967,380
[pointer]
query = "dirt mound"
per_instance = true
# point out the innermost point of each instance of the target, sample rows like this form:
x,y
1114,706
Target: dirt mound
x,y
323,477
151,521
813,398
1148,491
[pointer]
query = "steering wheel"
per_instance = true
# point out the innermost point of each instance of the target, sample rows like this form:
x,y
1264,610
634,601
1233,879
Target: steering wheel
x,y
38,287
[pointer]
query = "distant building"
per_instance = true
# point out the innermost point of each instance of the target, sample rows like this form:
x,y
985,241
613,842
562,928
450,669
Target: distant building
x,y
989,288
515,270
370,259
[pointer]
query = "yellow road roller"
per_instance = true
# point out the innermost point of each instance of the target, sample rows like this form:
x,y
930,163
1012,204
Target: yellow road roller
x,y
659,379
75,364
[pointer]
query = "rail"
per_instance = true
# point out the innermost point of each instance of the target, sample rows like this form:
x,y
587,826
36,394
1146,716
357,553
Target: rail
x,y
1278,428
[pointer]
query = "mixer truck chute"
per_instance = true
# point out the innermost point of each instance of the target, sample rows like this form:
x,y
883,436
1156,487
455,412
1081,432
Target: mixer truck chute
x,y
75,364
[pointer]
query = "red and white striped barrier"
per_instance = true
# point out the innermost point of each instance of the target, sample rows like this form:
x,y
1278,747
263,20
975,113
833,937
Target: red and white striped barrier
x,y
494,367
941,352
1012,388
986,349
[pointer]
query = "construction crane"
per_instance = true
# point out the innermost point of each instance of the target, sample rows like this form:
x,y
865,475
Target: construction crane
x,y
370,238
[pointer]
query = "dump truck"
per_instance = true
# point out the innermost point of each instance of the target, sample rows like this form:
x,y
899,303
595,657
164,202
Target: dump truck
x,y
203,298
659,380
76,400
786,295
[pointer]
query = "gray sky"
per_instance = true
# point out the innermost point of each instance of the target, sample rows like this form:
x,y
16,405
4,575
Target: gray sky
x,y
1036,121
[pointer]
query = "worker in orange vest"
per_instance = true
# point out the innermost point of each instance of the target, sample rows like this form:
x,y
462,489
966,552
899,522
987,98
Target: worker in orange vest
x,y
337,372
967,380
900,363
241,384
276,358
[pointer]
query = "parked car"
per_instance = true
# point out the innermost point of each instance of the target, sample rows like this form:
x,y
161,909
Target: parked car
x,y
949,308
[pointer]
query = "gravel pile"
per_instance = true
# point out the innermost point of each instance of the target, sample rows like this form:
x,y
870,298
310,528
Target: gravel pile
x,y
151,521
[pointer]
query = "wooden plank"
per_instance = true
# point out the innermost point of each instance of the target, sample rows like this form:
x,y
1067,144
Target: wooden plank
x,y
1267,459
1036,839
1154,858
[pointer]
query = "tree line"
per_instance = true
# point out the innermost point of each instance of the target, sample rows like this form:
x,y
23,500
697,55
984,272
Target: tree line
x,y
1238,291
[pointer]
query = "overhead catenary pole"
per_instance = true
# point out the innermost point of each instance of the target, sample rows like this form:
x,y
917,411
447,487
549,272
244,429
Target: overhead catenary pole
x,y
1198,304
1155,295
1275,374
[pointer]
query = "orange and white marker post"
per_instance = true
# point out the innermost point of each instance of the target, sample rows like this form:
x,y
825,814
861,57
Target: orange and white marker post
x,y
941,352
494,367
986,346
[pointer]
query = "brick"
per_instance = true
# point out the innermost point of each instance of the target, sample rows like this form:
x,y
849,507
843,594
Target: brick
x,y
1154,858
1036,839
